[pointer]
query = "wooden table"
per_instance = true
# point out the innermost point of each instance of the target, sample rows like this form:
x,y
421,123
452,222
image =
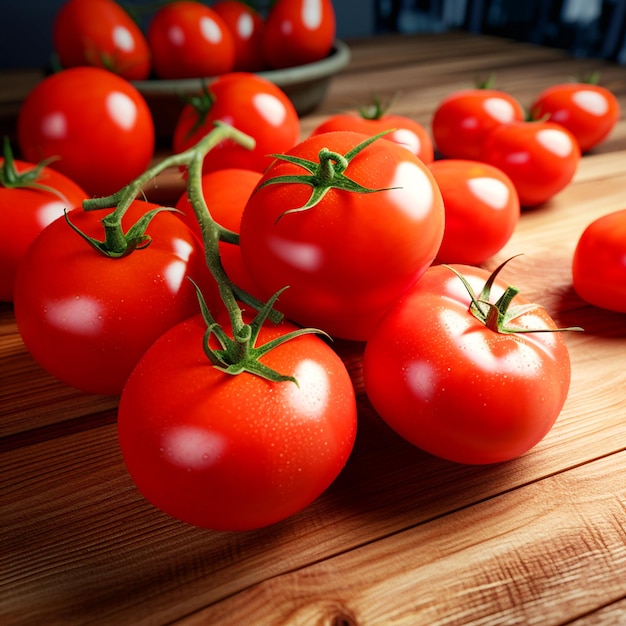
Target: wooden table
x,y
401,538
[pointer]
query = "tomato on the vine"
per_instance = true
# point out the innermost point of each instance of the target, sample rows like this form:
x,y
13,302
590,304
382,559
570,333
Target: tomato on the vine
x,y
481,206
348,222
102,34
456,380
87,318
587,110
463,120
599,263
298,32
540,158
94,125
235,452
250,103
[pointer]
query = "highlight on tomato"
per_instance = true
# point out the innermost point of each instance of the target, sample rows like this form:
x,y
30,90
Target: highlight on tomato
x,y
348,222
599,262
466,369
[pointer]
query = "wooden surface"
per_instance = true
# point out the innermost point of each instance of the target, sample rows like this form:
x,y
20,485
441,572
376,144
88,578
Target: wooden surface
x,y
401,538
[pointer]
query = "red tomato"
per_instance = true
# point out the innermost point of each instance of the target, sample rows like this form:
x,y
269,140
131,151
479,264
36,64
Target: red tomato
x,y
102,34
250,103
87,318
95,124
588,111
226,193
463,120
347,259
189,40
235,452
540,158
246,26
405,131
26,209
298,32
599,264
482,209
454,387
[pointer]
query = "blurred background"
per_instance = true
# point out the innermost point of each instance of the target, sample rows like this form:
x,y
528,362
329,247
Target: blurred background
x,y
595,28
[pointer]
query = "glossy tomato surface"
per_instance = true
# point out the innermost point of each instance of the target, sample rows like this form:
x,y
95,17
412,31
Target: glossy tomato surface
x,y
87,318
482,210
101,33
348,258
253,105
235,452
95,125
457,389
599,263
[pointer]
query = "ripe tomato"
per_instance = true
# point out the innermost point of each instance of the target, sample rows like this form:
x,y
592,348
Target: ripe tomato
x,y
190,40
235,452
226,193
599,263
404,130
482,209
540,158
102,34
30,198
95,124
246,26
347,259
462,121
298,32
588,111
87,318
250,103
454,387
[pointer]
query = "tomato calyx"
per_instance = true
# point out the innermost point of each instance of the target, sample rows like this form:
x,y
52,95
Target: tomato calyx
x,y
202,103
324,175
377,110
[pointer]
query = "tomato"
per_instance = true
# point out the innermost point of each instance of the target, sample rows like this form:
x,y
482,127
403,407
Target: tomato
x,y
189,40
96,125
235,452
102,34
347,259
482,209
87,318
39,196
452,386
599,263
588,111
540,158
404,130
246,26
462,121
226,192
250,103
298,32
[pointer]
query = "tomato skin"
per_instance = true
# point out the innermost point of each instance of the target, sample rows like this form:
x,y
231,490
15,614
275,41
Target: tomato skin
x,y
588,111
456,389
405,131
540,158
190,40
349,258
252,104
246,26
599,262
298,32
96,125
463,120
102,34
235,452
86,318
25,212
482,210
